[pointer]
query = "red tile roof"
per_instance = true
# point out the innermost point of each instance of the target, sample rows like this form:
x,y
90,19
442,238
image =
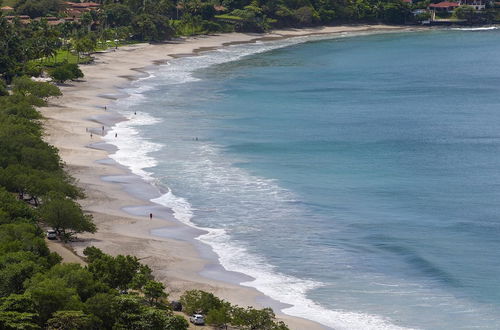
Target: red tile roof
x,y
222,8
18,16
444,4
82,6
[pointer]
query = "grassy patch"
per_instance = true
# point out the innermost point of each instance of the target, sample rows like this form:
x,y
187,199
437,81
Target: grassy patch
x,y
62,56
229,17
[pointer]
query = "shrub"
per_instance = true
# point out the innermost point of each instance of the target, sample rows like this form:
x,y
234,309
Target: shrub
x,y
66,71
197,301
3,88
33,69
60,74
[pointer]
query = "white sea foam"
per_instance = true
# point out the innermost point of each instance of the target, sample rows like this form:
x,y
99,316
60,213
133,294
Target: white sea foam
x,y
235,257
285,288
134,152
484,28
132,149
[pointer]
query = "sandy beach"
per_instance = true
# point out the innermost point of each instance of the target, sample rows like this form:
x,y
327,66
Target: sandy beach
x,y
81,110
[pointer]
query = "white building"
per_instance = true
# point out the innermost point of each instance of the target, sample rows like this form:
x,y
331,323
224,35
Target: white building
x,y
476,4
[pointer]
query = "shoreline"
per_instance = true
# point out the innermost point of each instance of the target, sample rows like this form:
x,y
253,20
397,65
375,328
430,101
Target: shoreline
x,y
122,216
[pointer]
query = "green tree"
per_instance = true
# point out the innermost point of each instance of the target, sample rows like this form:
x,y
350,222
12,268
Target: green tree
x,y
117,272
84,45
128,311
252,319
75,277
18,320
87,20
18,312
305,15
176,322
395,12
13,208
25,86
52,295
198,301
17,303
37,8
466,12
101,306
22,236
151,27
153,318
65,216
70,320
13,275
60,74
153,291
220,317
3,88
66,71
117,14
207,11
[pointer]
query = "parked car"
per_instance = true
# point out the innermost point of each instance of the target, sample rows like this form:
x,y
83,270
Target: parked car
x,y
197,319
176,306
51,234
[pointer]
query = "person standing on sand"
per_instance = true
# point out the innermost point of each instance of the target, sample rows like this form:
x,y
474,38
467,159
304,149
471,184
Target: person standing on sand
x,y
150,216
90,135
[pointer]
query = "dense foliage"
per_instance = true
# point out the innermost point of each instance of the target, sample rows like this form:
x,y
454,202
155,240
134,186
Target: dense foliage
x,y
221,313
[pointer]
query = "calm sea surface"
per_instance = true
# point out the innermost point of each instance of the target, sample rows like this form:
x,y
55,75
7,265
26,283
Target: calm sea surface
x,y
356,178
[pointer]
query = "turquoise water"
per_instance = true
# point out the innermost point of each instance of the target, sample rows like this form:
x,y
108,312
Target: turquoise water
x,y
355,178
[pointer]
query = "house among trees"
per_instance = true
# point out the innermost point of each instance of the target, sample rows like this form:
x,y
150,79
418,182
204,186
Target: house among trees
x,y
24,19
447,6
75,10
83,6
6,9
476,4
444,6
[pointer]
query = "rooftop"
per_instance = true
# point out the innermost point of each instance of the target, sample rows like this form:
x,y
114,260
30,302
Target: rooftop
x,y
444,4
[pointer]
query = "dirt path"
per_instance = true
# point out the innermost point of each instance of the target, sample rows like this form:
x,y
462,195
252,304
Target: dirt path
x,y
67,255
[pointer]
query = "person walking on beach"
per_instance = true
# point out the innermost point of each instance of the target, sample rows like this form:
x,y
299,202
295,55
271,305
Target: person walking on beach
x,y
150,216
90,135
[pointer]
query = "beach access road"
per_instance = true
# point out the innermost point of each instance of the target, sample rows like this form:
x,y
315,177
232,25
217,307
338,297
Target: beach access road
x,y
68,256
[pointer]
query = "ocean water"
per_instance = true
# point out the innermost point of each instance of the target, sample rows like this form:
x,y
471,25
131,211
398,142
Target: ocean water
x,y
355,178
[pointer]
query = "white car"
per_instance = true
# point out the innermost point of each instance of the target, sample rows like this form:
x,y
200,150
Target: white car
x,y
197,319
51,234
